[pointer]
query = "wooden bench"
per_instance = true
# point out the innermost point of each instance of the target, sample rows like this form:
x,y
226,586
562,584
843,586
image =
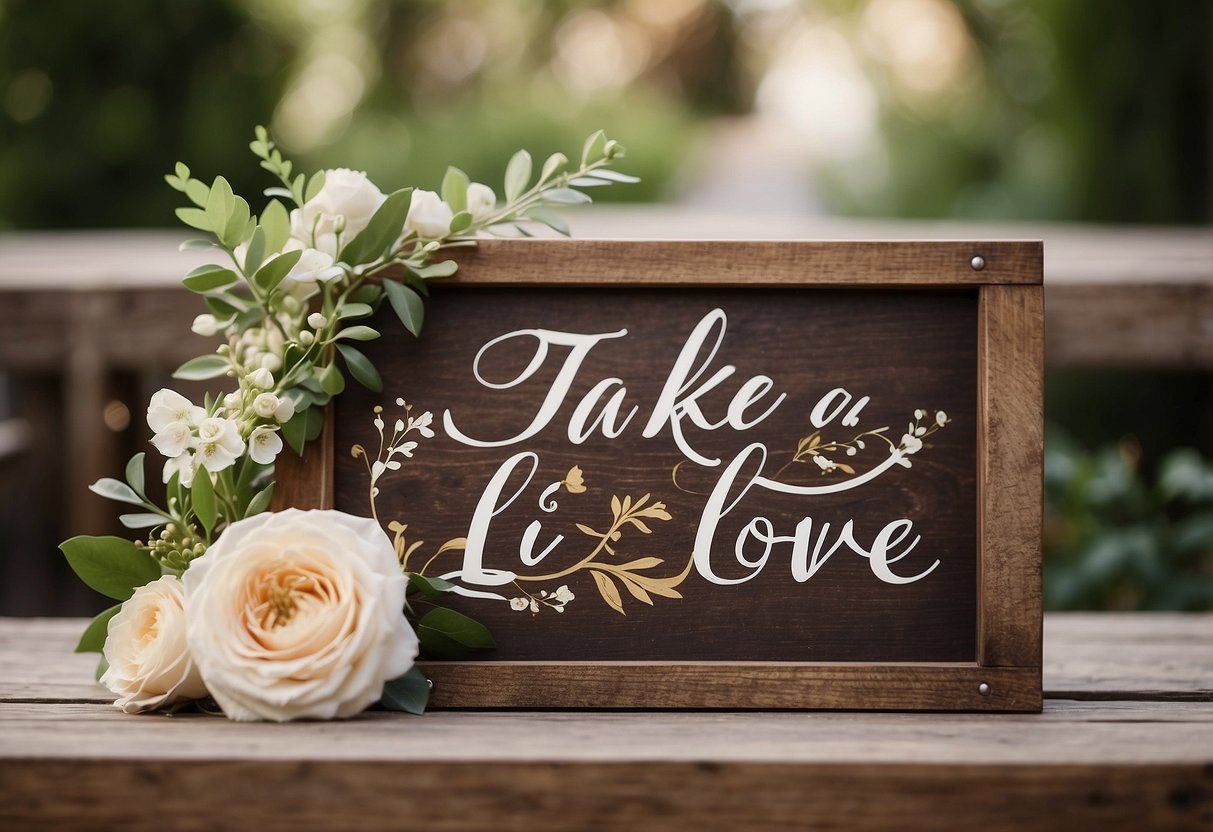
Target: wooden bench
x,y
1125,742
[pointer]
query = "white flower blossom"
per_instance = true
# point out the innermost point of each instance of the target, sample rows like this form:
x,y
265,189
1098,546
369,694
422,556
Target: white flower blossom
x,y
823,463
284,411
337,214
215,457
174,439
224,432
184,465
266,405
428,215
422,423
168,406
563,594
264,445
315,266
911,444
941,418
519,604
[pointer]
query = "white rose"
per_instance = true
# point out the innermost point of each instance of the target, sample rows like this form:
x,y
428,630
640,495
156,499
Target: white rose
x,y
343,208
428,215
168,406
265,405
481,200
264,445
145,645
297,615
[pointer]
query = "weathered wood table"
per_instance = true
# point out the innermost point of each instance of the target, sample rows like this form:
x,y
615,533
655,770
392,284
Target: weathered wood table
x,y
1125,742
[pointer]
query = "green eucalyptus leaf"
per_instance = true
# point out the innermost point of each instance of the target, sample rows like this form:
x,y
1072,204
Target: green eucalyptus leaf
x,y
455,189
429,587
197,192
593,148
202,367
294,432
134,473
443,268
368,294
361,368
615,176
261,501
314,186
381,233
359,333
407,305
331,380
409,693
314,423
457,627
208,278
140,520
203,498
219,205
549,218
566,196
110,565
353,310
276,225
275,270
256,251
460,222
116,490
554,163
195,218
517,175
237,226
92,640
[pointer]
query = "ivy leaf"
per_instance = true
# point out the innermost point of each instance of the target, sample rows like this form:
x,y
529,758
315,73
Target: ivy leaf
x,y
409,693
203,498
407,304
517,175
455,189
110,565
381,232
361,368
116,490
92,640
203,367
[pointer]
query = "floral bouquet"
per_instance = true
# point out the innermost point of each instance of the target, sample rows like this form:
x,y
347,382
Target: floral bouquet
x,y
291,614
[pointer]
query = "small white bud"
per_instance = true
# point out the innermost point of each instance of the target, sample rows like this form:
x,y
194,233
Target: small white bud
x,y
231,401
261,378
271,362
284,411
265,405
317,321
306,338
205,325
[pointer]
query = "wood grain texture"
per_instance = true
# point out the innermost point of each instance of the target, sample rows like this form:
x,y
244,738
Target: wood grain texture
x,y
539,797
1010,458
746,262
306,481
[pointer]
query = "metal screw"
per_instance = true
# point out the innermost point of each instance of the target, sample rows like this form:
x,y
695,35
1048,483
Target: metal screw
x,y
978,262
983,689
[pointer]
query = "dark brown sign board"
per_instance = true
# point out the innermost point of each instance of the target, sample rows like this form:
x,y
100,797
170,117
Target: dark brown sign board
x,y
716,474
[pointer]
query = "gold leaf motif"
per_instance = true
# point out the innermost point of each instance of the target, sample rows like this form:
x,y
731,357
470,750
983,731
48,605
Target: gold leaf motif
x,y
610,593
574,481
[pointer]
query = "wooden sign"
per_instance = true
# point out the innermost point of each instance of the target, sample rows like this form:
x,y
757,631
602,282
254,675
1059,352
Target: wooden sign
x,y
717,474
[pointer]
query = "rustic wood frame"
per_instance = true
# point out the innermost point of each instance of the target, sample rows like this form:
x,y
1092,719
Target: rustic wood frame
x,y
1006,673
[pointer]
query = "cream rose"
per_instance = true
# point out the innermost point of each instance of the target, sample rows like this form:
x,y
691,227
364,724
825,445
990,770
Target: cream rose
x,y
298,615
342,208
145,646
428,215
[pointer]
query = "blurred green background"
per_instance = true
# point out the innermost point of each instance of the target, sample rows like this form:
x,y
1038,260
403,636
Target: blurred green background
x,y
982,109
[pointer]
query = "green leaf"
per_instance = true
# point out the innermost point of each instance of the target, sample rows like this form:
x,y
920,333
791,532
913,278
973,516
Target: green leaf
x,y
457,627
260,502
219,205
92,640
314,423
314,186
256,251
236,228
593,148
566,196
331,380
208,278
182,170
429,587
615,176
381,232
554,163
113,489
443,268
110,565
549,218
353,310
361,368
460,222
294,432
140,520
517,175
275,270
366,294
202,367
455,189
102,666
134,473
407,304
409,693
197,192
195,218
197,245
276,224
203,498
359,333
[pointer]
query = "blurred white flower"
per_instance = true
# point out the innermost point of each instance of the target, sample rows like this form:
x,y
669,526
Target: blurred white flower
x,y
266,405
206,325
184,465
317,321
264,444
338,213
262,378
284,411
428,215
174,439
315,266
481,200
168,406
